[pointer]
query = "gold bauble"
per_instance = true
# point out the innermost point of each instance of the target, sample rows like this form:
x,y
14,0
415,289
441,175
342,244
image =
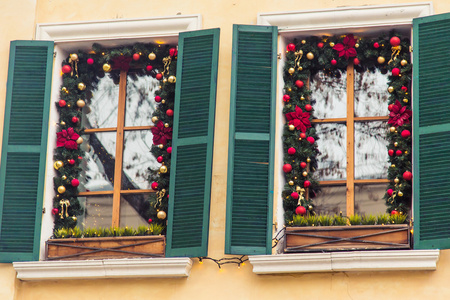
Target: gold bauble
x,y
331,44
289,90
165,80
172,79
65,90
61,189
74,218
62,123
406,151
356,45
305,174
390,89
161,215
64,177
58,164
161,146
163,101
291,182
308,159
381,60
298,189
310,56
107,67
291,71
81,103
392,129
300,68
154,119
81,86
291,127
74,56
392,166
396,180
68,105
405,100
163,169
303,42
404,62
302,98
166,125
152,56
396,144
79,140
310,207
400,194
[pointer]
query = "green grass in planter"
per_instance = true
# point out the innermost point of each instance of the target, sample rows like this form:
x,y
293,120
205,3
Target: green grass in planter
x,y
152,229
355,219
299,221
313,220
369,220
326,220
383,219
397,219
339,220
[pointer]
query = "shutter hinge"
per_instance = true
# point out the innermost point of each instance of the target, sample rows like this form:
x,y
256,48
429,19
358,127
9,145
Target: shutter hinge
x,y
279,55
410,49
43,210
54,54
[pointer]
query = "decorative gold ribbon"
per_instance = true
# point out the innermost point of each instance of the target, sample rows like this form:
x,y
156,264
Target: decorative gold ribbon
x,y
159,196
298,57
395,52
74,64
301,197
64,207
166,60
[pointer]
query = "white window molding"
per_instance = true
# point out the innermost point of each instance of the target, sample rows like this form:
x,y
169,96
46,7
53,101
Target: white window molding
x,y
107,268
395,260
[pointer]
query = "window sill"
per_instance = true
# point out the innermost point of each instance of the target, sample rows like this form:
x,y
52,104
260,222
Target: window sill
x,y
107,268
395,260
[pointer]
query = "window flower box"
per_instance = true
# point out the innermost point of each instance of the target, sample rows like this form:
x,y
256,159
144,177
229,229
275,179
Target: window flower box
x,y
338,238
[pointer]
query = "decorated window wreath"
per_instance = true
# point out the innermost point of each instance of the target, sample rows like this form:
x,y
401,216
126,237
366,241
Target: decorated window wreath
x,y
390,54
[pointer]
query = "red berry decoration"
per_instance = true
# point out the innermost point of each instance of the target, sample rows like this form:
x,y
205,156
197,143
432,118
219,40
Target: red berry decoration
x,y
334,62
286,98
136,56
308,107
395,71
160,159
55,211
300,210
299,84
391,152
294,195
290,47
158,98
173,52
376,45
150,220
66,69
72,161
406,133
390,192
310,139
287,168
90,61
159,76
303,164
149,68
154,185
62,103
169,150
169,113
398,152
407,175
307,183
356,61
75,182
302,135
75,120
320,45
394,212
390,106
395,41
404,88
291,151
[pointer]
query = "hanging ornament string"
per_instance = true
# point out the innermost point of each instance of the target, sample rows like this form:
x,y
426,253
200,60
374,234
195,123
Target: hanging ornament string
x,y
298,57
73,60
159,197
395,53
64,208
166,60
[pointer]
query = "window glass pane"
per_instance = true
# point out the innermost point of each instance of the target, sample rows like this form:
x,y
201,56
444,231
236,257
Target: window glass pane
x,y
331,200
371,96
132,210
140,102
97,211
332,160
137,159
102,112
369,199
98,162
371,158
330,95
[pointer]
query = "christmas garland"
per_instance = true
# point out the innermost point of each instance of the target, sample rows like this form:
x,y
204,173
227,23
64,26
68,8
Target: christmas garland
x,y
81,72
388,53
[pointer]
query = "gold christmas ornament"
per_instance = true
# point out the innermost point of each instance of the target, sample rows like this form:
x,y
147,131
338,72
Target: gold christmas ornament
x,y
63,123
161,215
291,127
81,86
331,44
61,189
390,89
356,45
289,90
74,218
166,125
68,105
392,129
404,62
303,42
74,56
392,166
291,71
310,207
405,100
298,189
154,119
308,159
107,67
161,146
305,174
163,169
64,177
381,60
300,68
302,98
406,151
163,101
400,194
396,180
396,144
310,56
172,79
165,80
81,103
79,140
58,164
65,90
152,56
291,182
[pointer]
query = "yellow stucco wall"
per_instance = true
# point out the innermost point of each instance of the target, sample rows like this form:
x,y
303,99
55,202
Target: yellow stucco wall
x,y
18,19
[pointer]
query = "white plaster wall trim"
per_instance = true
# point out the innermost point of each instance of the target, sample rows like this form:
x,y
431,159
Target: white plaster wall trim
x,y
107,268
346,17
395,260
117,29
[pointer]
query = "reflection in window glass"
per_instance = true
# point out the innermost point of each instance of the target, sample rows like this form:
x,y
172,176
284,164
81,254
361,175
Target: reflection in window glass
x,y
139,102
132,208
331,200
330,95
97,211
332,160
369,199
371,96
371,158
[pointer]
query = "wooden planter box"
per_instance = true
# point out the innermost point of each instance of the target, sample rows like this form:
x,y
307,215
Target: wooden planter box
x,y
105,247
337,238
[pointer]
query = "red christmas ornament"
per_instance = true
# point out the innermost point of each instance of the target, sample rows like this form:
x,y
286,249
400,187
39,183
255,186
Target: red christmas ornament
x,y
390,192
154,186
391,152
307,183
356,61
290,47
90,61
80,157
303,164
404,89
149,68
308,107
173,52
299,84
159,76
407,175
395,41
302,135
320,45
376,45
62,103
150,220
287,168
75,182
310,139
72,161
169,150
300,210
158,98
160,159
169,113
66,69
286,98
291,151
406,133
394,212
136,56
75,120
334,62
395,71
390,106
398,152
294,195
55,211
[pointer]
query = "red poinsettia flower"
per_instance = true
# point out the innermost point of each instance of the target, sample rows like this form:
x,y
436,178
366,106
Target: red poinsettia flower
x,y
399,115
346,49
299,119
67,138
161,134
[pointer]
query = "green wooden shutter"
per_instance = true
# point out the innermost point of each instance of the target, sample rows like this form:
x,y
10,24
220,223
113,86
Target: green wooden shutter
x,y
431,134
251,141
193,136
22,168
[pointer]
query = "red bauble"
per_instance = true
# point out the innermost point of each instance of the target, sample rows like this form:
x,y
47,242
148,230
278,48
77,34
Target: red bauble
x,y
334,62
169,150
286,98
303,164
394,212
66,69
150,220
149,68
320,45
404,88
299,83
159,76
294,195
390,106
356,61
62,103
75,182
154,185
287,168
72,161
395,41
173,52
80,157
302,135
308,107
300,210
290,47
136,56
158,98
75,120
169,113
160,159
398,152
90,61
55,211
307,183
291,151
407,175
395,71
310,139
376,45
390,192
391,152
406,133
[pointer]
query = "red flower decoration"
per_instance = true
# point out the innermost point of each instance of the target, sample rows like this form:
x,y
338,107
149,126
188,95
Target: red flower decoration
x,y
299,119
161,134
346,49
399,115
67,138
